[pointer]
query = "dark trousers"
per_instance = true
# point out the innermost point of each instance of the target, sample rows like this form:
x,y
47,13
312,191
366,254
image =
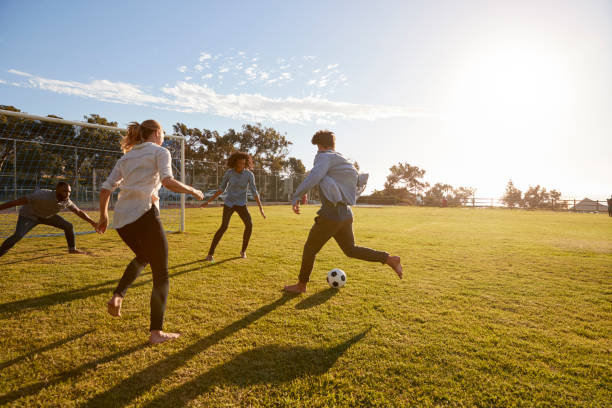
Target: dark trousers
x,y
342,231
245,216
25,225
147,239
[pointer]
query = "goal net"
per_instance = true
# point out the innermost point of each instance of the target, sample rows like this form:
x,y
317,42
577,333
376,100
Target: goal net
x,y
37,152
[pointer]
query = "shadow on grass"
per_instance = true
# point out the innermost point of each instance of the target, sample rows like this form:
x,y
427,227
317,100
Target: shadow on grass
x,y
66,375
92,290
64,252
317,299
141,382
43,349
270,364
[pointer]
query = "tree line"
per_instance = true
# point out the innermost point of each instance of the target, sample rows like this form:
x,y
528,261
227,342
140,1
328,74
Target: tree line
x,y
404,184
46,150
534,197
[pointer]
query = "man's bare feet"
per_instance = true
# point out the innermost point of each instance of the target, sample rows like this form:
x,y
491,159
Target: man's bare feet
x,y
210,258
395,263
158,336
243,255
114,305
76,251
297,288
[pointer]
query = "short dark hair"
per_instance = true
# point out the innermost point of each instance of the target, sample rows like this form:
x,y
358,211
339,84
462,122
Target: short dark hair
x,y
61,184
324,138
234,157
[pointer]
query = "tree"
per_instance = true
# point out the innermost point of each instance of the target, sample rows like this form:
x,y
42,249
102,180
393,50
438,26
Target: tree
x,y
405,176
295,166
512,196
536,197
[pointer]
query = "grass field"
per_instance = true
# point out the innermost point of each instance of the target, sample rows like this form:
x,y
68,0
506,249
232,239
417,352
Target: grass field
x,y
496,308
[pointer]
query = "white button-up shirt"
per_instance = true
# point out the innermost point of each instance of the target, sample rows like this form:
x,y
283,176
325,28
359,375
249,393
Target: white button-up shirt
x,y
138,174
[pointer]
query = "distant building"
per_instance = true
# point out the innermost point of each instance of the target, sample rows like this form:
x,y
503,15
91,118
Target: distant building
x,y
588,205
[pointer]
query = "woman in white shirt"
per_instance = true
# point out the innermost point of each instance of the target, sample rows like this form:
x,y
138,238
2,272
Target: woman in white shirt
x,y
143,169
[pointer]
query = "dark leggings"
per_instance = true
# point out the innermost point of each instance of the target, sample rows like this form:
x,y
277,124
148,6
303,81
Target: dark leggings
x,y
147,239
342,232
245,216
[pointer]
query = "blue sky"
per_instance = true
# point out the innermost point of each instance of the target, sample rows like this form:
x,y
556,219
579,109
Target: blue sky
x,y
474,92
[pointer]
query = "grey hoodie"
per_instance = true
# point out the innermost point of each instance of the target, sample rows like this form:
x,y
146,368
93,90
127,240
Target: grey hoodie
x,y
337,179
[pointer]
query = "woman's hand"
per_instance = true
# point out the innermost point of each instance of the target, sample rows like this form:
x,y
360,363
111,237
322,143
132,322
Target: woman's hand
x,y
198,194
262,212
102,224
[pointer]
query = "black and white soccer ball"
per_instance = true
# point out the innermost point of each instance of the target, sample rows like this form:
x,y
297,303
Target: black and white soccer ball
x,y
336,278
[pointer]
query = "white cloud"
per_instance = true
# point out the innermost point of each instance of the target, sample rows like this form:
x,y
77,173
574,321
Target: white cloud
x,y
224,69
242,83
207,76
241,53
204,56
286,75
14,71
316,71
2,81
332,66
192,97
187,78
311,82
309,57
323,83
264,75
250,71
198,67
182,68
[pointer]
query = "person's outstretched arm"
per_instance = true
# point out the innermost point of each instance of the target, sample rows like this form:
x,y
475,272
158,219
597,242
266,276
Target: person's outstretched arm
x,y
104,198
14,203
83,215
174,185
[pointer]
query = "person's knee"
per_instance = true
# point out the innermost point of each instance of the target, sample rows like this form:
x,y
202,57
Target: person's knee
x,y
349,250
68,227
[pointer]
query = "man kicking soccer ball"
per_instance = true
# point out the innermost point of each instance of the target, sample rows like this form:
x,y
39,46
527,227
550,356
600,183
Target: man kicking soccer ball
x,y
41,207
337,179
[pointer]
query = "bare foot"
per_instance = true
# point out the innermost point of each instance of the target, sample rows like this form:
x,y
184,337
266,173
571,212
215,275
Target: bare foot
x,y
114,305
209,258
395,263
243,255
297,288
76,251
158,336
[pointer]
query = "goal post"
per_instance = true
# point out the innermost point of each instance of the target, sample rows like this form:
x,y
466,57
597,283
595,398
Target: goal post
x,y
36,152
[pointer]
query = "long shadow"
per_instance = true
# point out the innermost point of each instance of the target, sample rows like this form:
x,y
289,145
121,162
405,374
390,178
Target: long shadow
x,y
66,375
32,259
141,382
270,364
88,291
317,299
43,349
59,247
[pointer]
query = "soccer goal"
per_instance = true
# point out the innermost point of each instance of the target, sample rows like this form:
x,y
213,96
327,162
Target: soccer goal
x,y
36,152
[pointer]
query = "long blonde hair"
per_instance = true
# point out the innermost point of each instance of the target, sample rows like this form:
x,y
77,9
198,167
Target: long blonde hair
x,y
138,132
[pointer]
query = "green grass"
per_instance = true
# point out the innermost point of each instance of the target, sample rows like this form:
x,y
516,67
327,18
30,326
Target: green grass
x,y
496,308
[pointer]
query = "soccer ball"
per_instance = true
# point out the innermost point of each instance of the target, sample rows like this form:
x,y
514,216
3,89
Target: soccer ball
x,y
336,278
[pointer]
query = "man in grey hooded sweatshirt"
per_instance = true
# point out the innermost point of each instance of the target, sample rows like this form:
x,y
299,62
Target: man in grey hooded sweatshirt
x,y
338,181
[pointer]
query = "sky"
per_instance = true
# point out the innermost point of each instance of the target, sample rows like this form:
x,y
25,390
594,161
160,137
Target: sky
x,y
476,93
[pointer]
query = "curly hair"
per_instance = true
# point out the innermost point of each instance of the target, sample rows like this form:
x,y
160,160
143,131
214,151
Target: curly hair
x,y
234,157
324,138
